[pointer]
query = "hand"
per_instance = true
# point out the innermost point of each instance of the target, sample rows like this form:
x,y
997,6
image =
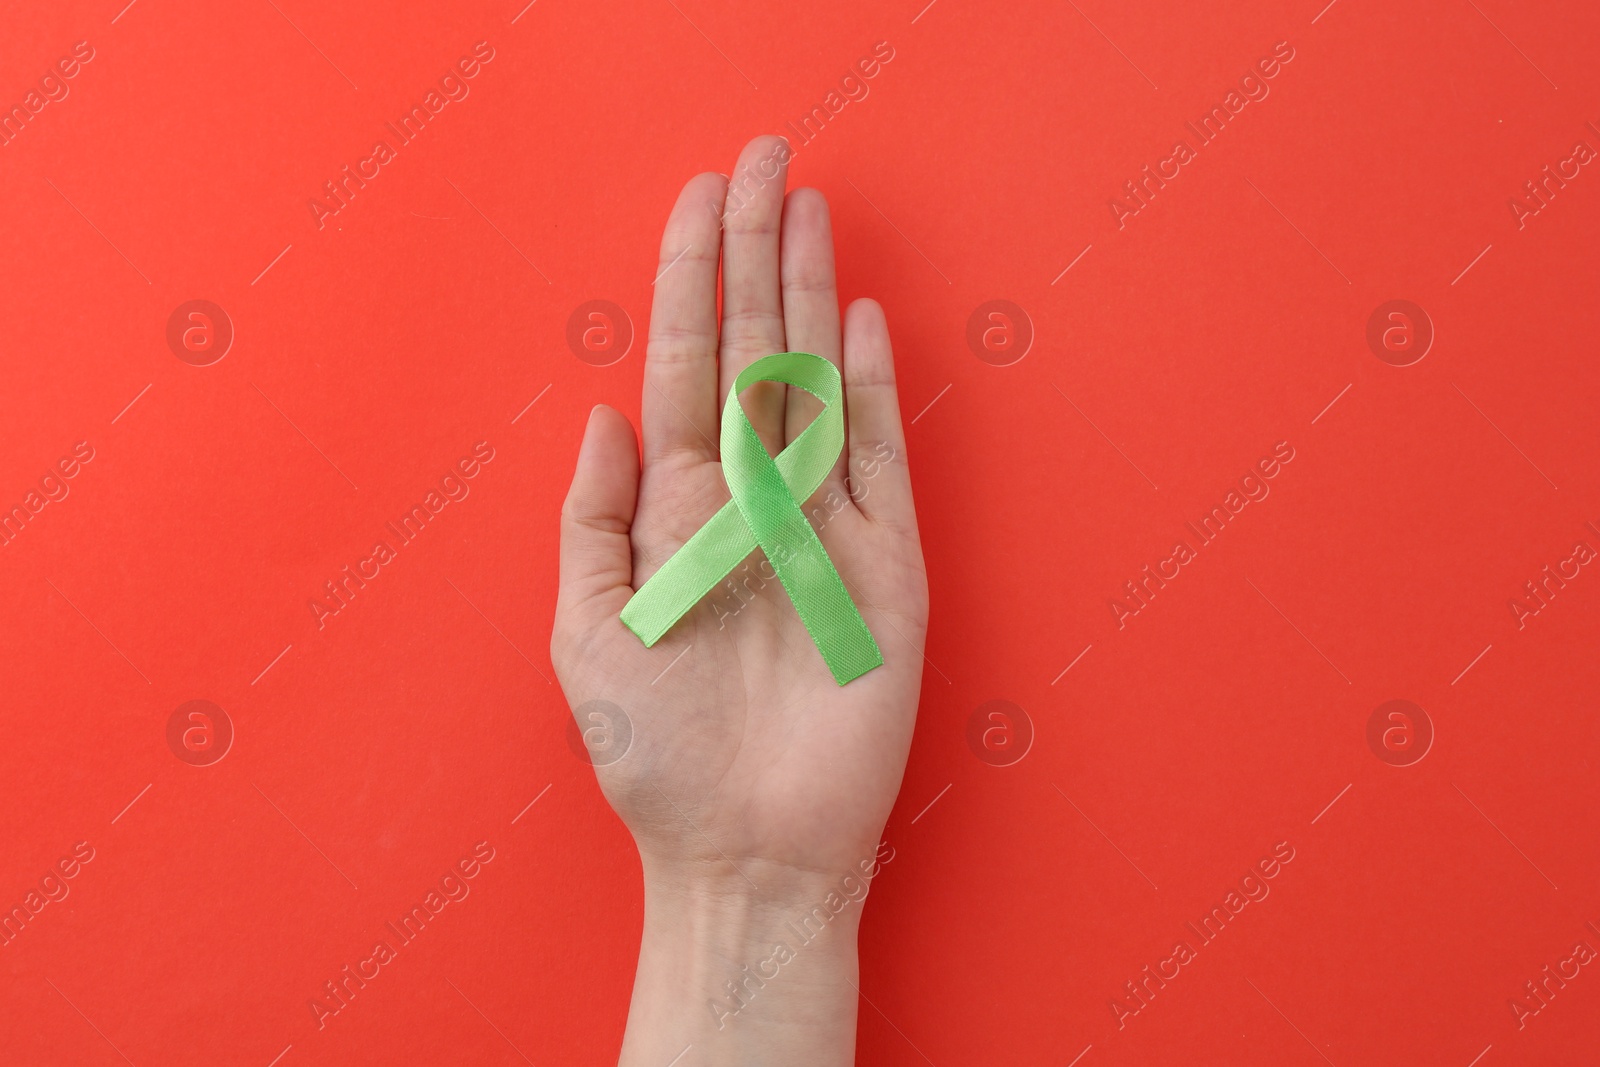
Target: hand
x,y
753,783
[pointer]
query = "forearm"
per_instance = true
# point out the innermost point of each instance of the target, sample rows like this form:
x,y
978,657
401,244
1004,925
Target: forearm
x,y
733,974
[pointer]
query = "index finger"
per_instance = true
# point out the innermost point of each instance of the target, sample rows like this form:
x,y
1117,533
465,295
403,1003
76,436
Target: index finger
x,y
678,411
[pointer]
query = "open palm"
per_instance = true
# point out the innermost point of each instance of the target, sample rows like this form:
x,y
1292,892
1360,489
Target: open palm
x,y
743,758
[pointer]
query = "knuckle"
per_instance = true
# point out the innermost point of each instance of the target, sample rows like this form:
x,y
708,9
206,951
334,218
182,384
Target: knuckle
x,y
759,222
808,279
680,344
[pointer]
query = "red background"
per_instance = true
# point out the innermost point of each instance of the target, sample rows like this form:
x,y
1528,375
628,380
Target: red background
x,y
1223,318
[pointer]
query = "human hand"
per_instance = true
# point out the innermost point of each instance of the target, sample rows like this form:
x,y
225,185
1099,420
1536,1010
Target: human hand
x,y
752,782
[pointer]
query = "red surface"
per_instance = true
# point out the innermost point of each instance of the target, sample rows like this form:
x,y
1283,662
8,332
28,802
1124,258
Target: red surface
x,y
375,753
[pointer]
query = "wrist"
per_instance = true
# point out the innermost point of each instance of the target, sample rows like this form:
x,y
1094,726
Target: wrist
x,y
759,961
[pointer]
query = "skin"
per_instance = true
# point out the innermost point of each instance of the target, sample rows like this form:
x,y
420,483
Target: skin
x,y
753,784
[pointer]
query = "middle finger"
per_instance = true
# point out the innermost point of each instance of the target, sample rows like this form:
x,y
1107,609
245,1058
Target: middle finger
x,y
752,301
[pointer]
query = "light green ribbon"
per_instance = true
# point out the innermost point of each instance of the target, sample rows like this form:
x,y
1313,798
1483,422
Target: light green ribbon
x,y
765,511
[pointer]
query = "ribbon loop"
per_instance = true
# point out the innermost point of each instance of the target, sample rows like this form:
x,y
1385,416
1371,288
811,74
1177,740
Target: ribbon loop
x,y
765,511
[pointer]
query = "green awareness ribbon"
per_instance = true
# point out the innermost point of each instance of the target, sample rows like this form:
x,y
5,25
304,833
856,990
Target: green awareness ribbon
x,y
765,511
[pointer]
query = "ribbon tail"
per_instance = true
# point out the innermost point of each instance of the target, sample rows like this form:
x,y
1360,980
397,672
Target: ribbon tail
x,y
689,574
808,575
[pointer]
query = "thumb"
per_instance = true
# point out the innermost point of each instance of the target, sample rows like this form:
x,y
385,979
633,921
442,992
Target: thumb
x,y
596,553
